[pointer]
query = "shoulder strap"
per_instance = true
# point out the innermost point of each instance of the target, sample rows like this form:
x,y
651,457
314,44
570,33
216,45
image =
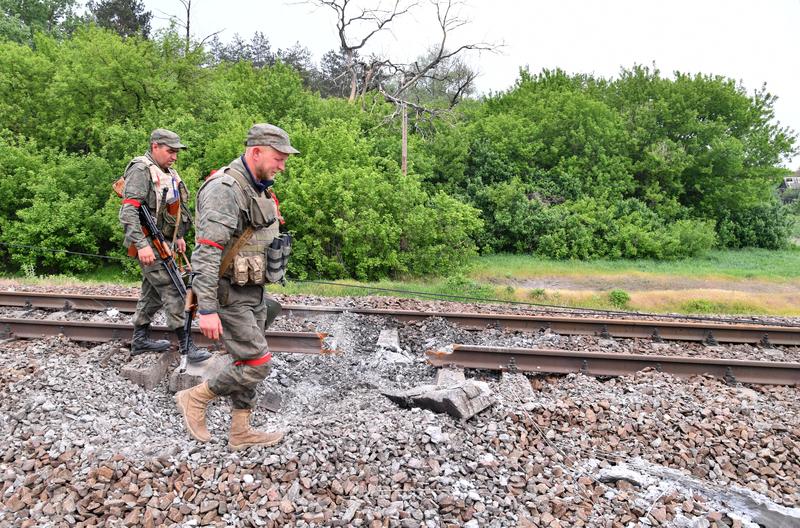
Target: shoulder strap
x,y
240,179
177,223
234,250
214,174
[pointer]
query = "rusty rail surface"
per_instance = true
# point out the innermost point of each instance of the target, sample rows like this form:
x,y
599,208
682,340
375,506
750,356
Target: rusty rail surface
x,y
66,302
656,329
603,364
95,332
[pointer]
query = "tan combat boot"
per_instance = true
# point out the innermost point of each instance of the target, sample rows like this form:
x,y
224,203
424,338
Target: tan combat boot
x,y
243,436
192,403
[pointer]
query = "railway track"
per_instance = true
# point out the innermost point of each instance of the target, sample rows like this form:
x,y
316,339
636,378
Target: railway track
x,y
544,360
466,356
94,332
656,329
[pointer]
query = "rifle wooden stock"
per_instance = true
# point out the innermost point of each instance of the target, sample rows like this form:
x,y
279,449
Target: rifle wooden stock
x,y
190,309
190,305
162,249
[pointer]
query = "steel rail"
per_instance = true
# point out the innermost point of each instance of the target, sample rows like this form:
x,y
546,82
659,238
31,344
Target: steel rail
x,y
67,301
603,364
656,329
86,331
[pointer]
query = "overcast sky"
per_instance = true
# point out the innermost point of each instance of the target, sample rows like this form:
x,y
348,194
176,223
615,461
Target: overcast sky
x,y
754,42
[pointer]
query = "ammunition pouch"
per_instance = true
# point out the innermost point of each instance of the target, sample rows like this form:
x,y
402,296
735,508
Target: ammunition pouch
x,y
248,270
278,257
169,216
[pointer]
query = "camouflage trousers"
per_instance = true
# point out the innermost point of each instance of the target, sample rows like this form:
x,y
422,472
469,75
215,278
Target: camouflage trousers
x,y
245,312
158,292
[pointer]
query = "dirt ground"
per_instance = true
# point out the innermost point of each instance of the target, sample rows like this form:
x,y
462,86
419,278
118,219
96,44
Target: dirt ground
x,y
640,282
665,294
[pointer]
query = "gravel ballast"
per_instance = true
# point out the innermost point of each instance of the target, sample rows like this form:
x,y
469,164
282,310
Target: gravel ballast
x,y
83,446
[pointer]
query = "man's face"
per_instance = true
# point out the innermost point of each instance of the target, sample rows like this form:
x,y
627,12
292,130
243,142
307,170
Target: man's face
x,y
267,162
163,155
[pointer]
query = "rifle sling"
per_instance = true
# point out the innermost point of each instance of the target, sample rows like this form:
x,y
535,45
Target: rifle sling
x,y
177,223
226,262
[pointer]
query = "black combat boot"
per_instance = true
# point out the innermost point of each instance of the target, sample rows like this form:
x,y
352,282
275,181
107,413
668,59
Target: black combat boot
x,y
142,343
187,346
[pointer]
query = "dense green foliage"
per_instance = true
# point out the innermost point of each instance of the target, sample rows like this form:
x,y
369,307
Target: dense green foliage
x,y
96,97
641,166
559,165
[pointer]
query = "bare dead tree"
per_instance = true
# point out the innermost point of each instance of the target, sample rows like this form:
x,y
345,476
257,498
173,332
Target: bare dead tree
x,y
187,6
185,23
376,19
449,21
432,68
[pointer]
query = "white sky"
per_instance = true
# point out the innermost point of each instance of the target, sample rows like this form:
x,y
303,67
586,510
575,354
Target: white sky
x,y
754,42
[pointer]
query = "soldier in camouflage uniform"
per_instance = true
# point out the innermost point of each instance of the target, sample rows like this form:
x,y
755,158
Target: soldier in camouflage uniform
x,y
151,180
237,233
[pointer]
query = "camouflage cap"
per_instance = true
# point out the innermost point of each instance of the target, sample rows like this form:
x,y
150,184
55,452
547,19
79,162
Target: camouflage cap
x,y
270,136
162,136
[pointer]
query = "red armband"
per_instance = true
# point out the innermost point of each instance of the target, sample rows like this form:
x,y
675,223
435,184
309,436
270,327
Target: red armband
x,y
254,362
130,201
207,242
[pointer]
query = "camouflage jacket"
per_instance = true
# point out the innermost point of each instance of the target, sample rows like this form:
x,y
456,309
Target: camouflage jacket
x,y
223,214
139,187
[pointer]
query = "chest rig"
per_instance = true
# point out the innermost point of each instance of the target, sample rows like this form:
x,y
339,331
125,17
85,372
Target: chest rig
x,y
167,199
168,181
244,259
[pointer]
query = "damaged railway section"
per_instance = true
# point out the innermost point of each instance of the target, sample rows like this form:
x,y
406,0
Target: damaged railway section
x,y
543,360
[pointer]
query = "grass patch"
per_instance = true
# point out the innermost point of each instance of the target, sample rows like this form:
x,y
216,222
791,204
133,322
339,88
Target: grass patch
x,y
458,286
110,274
704,306
761,282
729,264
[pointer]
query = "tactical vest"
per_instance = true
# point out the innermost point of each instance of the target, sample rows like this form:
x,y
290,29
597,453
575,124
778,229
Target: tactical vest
x,y
259,214
167,214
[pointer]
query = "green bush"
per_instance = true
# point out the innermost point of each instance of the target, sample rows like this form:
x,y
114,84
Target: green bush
x,y
766,225
515,219
354,218
565,166
642,166
65,211
589,228
619,298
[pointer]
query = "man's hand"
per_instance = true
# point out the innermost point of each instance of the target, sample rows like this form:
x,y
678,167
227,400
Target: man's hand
x,y
180,245
211,326
146,256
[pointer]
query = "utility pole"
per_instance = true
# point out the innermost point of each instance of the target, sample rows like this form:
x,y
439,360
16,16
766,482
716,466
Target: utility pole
x,y
404,161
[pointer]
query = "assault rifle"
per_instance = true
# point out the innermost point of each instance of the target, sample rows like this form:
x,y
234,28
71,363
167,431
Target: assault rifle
x,y
149,228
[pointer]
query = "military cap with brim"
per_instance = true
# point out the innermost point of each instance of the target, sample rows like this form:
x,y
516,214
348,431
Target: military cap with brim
x,y
270,136
162,136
